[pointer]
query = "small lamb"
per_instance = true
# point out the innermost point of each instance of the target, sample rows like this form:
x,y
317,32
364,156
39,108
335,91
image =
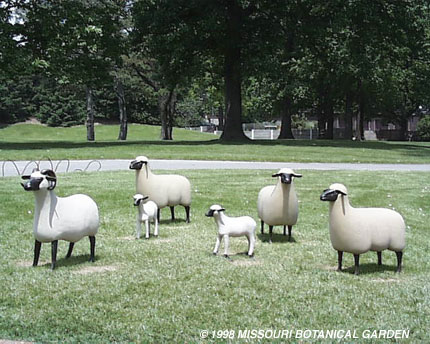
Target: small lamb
x,y
147,211
60,218
358,230
232,226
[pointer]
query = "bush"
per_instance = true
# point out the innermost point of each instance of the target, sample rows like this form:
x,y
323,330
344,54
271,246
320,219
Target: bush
x,y
423,128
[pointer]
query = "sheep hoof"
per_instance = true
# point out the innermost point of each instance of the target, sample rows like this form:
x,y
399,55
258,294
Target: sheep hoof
x,y
251,255
214,253
227,256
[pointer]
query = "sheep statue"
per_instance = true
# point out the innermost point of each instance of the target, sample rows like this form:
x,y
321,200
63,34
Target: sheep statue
x,y
358,230
60,218
277,204
164,190
232,227
147,211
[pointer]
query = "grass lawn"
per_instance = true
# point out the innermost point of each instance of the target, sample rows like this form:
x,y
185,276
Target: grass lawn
x,y
168,289
29,142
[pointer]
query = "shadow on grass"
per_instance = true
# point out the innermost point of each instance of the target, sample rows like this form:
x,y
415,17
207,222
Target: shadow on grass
x,y
382,145
275,238
73,260
370,268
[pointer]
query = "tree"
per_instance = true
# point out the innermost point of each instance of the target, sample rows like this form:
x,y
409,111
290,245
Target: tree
x,y
73,41
185,35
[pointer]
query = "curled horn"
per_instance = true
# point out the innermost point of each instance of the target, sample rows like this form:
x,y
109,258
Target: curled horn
x,y
51,177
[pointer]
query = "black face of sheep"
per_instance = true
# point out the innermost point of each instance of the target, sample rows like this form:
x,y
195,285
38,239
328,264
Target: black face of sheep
x,y
137,164
330,195
287,178
138,200
211,212
33,182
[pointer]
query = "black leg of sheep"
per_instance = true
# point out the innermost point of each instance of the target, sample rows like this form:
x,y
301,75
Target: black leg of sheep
x,y
69,252
339,260
158,215
172,212
290,229
187,213
379,257
262,227
356,263
399,261
270,234
54,246
92,248
37,246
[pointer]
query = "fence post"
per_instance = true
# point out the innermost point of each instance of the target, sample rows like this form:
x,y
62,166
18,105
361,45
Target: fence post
x,y
310,134
252,134
271,134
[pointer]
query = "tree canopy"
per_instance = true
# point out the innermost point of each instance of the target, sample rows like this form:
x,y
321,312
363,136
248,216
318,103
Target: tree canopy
x,y
177,61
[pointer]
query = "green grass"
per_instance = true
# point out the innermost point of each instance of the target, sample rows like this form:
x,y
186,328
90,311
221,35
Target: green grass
x,y
166,290
27,141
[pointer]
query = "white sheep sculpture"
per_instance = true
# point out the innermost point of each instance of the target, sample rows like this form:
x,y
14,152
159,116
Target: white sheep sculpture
x,y
60,218
278,205
165,190
232,227
147,211
358,230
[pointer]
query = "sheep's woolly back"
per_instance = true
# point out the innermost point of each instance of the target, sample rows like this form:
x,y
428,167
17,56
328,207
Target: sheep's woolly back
x,y
164,190
69,218
358,230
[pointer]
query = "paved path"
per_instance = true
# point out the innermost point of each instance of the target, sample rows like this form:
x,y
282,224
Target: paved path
x,y
20,167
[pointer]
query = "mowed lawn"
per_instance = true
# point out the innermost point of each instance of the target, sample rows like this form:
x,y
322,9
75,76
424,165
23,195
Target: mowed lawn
x,y
36,142
168,289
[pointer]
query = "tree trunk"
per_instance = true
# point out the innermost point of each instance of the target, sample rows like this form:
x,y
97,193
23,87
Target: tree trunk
x,y
90,115
286,132
360,117
321,119
348,116
232,75
329,117
166,104
220,118
403,124
119,88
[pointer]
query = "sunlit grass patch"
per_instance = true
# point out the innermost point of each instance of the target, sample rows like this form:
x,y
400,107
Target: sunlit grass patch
x,y
167,289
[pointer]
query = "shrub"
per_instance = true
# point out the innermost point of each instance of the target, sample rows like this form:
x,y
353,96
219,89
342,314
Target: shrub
x,y
423,128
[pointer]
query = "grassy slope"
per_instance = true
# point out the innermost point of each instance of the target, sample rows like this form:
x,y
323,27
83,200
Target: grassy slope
x,y
29,142
168,289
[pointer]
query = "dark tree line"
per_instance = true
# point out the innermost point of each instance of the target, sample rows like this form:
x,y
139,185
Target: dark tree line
x,y
170,61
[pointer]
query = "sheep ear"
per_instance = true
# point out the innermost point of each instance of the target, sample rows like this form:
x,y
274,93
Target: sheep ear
x,y
276,175
51,177
341,192
25,177
297,175
222,209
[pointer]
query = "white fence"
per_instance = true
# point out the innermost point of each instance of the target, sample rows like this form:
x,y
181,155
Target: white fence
x,y
271,134
267,134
